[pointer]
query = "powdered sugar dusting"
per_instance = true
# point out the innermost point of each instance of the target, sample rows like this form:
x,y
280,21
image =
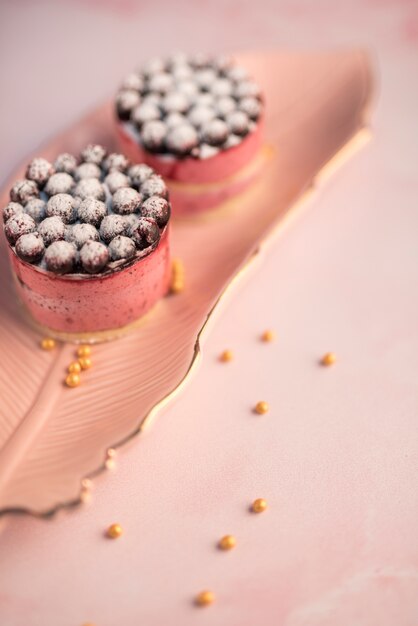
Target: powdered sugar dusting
x,y
84,214
168,104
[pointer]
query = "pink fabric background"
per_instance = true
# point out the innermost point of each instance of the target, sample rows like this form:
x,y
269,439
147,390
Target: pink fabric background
x,y
336,457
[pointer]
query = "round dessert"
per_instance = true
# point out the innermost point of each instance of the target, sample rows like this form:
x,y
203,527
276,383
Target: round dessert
x,y
197,120
88,241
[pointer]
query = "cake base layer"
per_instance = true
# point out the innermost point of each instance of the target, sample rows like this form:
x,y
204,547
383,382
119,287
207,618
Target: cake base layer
x,y
76,305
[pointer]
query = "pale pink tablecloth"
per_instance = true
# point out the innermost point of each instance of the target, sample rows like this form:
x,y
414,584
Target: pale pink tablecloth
x,y
336,458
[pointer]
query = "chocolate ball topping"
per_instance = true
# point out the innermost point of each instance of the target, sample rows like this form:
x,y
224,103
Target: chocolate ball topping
x,y
39,170
126,200
126,101
121,248
182,139
36,209
62,205
19,225
215,132
65,163
115,161
60,257
51,229
115,180
90,188
23,191
87,170
12,209
238,122
154,185
91,211
145,112
145,233
59,183
153,135
78,234
169,104
94,256
139,173
93,153
112,226
88,215
30,247
157,208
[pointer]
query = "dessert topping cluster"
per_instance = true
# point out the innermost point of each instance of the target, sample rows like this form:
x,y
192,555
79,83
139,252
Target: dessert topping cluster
x,y
189,105
86,215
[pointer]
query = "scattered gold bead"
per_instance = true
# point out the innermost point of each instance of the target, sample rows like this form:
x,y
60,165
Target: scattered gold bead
x,y
83,351
84,362
177,276
110,464
74,368
268,336
86,483
227,542
48,343
205,598
177,286
114,531
110,453
261,407
85,496
73,380
259,505
226,356
328,359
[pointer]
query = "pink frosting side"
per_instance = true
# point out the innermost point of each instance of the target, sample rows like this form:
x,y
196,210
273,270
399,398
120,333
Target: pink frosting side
x,y
221,166
91,304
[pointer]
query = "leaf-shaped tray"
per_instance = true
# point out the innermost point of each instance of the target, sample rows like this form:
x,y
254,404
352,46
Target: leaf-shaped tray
x,y
51,437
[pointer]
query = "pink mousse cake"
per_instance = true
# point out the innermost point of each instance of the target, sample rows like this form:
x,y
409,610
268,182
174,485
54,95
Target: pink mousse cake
x,y
198,121
88,240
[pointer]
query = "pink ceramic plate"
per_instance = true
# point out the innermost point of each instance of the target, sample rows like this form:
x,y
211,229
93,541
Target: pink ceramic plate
x,y
51,436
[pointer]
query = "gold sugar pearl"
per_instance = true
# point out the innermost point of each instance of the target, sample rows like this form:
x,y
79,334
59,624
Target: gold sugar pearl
x,y
114,531
177,276
205,598
84,362
110,453
85,496
261,407
48,343
259,505
83,351
73,380
328,359
227,542
74,368
177,286
226,356
268,336
86,485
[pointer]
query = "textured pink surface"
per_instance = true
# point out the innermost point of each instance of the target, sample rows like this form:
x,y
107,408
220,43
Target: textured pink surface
x,y
336,457
50,437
